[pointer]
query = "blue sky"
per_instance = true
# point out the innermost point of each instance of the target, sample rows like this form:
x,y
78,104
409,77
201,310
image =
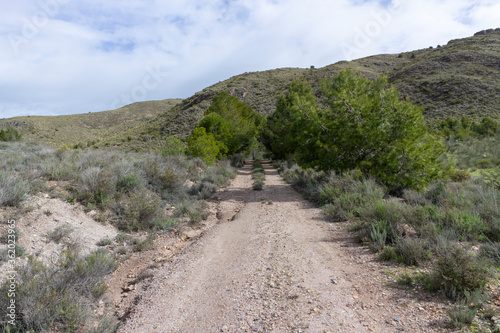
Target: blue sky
x,y
68,56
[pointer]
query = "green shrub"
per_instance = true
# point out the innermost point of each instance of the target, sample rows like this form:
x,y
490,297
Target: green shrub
x,y
129,182
463,312
459,175
96,185
457,271
378,235
413,251
490,251
204,145
173,146
58,297
13,189
142,212
203,189
10,134
388,253
145,244
258,185
492,177
59,233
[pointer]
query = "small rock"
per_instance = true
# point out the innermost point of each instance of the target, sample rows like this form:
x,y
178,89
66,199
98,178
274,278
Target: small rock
x,y
192,234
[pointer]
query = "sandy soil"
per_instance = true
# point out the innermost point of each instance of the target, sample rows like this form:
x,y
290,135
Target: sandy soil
x,y
272,262
42,216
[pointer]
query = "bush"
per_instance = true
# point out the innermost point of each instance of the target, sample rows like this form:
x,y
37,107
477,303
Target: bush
x,y
10,134
463,313
258,185
59,233
96,185
145,244
203,189
129,182
204,145
457,271
388,253
258,175
173,146
142,212
378,235
459,175
413,251
13,190
58,297
237,160
491,251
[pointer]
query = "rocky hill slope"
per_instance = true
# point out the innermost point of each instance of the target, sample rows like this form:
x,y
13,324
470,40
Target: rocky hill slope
x,y
461,78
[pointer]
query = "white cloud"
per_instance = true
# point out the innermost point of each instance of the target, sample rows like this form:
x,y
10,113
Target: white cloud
x,y
63,56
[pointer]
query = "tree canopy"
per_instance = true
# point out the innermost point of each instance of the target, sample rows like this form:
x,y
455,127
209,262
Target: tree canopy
x,y
363,126
233,125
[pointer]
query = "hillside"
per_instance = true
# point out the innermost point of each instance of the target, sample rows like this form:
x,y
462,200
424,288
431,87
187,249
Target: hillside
x,y
460,78
57,131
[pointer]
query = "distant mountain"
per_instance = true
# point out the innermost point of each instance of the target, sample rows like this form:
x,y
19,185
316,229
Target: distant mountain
x,y
57,131
460,78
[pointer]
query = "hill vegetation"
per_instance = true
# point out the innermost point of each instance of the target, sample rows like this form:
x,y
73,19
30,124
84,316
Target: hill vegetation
x,y
84,129
461,78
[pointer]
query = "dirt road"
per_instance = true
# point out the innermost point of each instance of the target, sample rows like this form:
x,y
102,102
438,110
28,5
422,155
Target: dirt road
x,y
278,266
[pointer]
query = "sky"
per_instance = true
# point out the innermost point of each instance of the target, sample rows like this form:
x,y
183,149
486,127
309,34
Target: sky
x,y
66,56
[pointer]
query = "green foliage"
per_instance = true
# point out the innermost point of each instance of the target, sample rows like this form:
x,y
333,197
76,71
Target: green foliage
x,y
457,272
202,144
13,190
96,185
223,132
129,182
59,297
142,213
464,127
285,132
492,177
365,127
368,127
241,119
10,134
487,127
463,312
173,146
258,175
230,126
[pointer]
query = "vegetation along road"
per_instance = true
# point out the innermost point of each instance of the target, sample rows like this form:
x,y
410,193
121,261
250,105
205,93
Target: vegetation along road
x,y
278,266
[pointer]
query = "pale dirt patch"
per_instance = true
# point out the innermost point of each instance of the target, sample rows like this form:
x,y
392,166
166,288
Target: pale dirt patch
x,y
272,262
44,214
